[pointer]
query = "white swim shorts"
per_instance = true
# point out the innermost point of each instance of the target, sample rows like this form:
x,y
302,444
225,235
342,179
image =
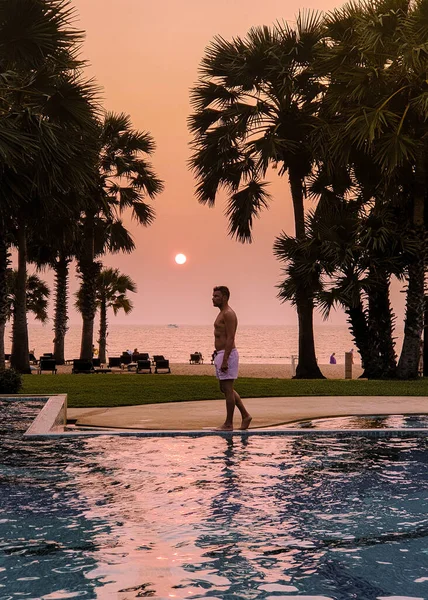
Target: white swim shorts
x,y
232,365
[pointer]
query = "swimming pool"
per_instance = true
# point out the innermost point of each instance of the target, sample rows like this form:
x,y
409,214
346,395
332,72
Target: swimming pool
x,y
362,422
243,518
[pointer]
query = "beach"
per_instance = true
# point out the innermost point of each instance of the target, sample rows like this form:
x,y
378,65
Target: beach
x,y
245,370
257,344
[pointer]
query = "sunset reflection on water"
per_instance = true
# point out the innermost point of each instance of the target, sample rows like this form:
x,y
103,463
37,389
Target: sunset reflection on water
x,y
216,517
245,517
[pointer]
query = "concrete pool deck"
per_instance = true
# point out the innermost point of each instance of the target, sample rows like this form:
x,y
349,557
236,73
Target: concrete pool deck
x,y
266,412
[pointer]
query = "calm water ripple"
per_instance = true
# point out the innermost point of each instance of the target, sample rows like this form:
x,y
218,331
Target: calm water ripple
x,y
250,518
257,344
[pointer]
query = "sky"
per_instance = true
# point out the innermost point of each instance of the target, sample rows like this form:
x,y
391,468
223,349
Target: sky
x,y
145,56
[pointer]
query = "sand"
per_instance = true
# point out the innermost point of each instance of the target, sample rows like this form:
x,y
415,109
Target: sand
x,y
246,370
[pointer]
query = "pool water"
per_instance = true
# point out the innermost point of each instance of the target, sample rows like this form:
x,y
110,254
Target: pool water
x,y
228,518
363,422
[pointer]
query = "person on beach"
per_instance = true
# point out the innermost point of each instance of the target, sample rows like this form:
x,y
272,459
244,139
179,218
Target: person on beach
x,y
226,358
333,359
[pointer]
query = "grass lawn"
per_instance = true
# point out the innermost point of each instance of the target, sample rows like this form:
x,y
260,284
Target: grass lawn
x,y
127,390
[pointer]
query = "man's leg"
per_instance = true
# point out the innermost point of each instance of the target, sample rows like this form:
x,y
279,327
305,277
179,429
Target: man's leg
x,y
246,417
226,386
232,399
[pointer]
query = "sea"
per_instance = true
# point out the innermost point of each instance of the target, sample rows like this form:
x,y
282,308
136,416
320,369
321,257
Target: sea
x,y
257,344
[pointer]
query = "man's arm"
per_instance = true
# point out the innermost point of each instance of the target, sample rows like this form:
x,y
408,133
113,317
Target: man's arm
x,y
230,328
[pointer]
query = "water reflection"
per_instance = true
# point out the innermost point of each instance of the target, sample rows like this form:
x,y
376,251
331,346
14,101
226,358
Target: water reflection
x,y
217,517
44,540
363,422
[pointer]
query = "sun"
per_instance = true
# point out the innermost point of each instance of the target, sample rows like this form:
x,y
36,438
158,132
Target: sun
x,y
180,259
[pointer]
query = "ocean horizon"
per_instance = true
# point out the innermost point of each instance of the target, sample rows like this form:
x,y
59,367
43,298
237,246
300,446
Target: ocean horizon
x,y
257,344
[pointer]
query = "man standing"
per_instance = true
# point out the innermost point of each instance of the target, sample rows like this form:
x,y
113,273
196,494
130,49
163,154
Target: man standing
x,y
227,359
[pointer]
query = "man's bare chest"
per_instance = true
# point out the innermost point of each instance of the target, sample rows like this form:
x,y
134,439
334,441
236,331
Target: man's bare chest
x,y
219,324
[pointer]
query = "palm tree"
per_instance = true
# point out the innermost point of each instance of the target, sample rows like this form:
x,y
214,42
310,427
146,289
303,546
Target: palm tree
x,y
37,294
112,287
359,249
55,244
16,147
375,63
4,296
351,250
360,254
124,179
50,105
256,106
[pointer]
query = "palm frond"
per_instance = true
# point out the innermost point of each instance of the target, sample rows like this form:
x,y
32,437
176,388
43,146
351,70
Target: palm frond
x,y
200,122
118,238
210,95
114,124
395,148
243,207
37,294
143,213
31,30
74,102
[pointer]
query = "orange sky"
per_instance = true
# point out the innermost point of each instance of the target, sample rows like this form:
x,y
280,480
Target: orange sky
x,y
145,55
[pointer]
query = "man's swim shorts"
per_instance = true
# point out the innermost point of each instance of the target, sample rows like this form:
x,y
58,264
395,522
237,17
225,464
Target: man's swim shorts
x,y
232,365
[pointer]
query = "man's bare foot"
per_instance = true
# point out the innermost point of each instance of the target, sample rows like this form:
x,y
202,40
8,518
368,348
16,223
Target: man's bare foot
x,y
246,422
223,428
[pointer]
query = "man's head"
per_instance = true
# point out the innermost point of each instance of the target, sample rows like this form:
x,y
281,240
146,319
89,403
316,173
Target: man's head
x,y
220,295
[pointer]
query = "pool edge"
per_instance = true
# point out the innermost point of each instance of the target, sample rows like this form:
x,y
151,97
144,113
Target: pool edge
x,y
52,418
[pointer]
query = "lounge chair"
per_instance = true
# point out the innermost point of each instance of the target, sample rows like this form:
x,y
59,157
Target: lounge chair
x,y
137,357
144,365
157,357
86,366
163,365
32,359
47,364
48,355
126,358
115,361
82,366
196,359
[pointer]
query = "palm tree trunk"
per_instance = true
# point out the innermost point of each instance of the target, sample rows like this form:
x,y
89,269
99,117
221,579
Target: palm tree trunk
x,y
409,359
307,367
89,270
19,359
103,331
3,296
425,340
2,334
358,327
297,198
61,316
408,364
380,328
89,273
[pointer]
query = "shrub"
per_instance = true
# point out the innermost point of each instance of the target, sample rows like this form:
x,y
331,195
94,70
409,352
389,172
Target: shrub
x,y
10,381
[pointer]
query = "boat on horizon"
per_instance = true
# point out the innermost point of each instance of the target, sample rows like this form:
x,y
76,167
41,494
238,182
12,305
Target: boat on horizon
x,y
172,325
